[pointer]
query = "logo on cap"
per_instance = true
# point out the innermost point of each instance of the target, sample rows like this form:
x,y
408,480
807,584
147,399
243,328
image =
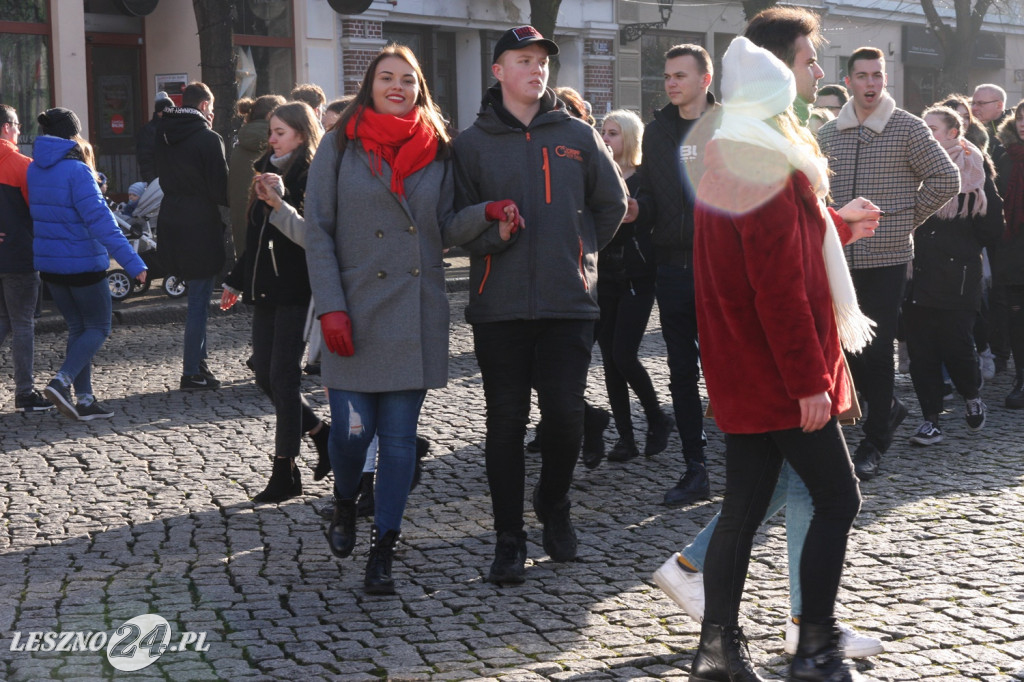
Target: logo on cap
x,y
524,32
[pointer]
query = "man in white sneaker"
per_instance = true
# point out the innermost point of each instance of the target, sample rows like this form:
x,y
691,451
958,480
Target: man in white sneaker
x,y
791,34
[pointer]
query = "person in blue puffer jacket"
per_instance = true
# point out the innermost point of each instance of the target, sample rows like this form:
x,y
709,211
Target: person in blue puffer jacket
x,y
75,237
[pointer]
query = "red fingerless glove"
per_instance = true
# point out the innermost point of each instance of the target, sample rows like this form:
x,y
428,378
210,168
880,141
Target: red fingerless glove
x,y
337,331
496,209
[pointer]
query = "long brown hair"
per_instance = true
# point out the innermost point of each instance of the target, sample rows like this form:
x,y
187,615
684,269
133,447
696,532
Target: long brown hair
x,y
429,112
301,118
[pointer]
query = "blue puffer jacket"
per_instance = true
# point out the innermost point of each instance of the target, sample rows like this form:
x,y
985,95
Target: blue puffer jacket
x,y
74,229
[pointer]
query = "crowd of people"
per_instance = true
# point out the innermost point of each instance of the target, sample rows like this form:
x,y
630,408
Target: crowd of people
x,y
789,234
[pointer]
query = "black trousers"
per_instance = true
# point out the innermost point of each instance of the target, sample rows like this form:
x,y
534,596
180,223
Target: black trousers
x,y
752,464
1014,296
880,293
935,338
625,309
552,356
277,347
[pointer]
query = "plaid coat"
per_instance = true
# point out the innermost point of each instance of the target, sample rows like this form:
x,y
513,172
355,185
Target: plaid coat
x,y
892,160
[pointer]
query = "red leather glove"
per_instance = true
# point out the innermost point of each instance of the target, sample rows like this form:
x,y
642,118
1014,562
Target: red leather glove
x,y
337,330
496,211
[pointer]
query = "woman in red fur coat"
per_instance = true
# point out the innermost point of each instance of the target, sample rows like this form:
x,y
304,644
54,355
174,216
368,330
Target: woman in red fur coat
x,y
775,308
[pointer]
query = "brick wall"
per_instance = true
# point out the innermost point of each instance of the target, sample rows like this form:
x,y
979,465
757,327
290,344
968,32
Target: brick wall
x,y
599,86
361,28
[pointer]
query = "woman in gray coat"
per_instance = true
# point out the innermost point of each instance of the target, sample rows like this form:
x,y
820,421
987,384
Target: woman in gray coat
x,y
379,210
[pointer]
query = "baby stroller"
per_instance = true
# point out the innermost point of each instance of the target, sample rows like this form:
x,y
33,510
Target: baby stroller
x,y
139,228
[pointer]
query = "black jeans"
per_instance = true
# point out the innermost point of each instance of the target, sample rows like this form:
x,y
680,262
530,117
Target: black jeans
x,y
552,356
879,292
1014,297
625,309
277,348
678,309
752,464
935,338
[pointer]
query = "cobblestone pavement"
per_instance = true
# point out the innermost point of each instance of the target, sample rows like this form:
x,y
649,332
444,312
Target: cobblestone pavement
x,y
149,512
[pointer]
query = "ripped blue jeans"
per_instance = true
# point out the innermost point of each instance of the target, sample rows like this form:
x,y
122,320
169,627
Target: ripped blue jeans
x,y
355,419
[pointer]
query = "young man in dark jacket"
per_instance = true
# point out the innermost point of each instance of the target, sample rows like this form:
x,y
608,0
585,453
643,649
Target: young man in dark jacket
x,y
145,142
194,177
19,281
673,151
533,298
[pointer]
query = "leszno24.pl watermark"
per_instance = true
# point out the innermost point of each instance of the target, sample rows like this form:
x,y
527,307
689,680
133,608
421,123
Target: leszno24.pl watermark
x,y
137,643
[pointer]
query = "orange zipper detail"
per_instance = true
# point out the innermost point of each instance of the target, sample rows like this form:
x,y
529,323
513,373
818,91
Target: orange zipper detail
x,y
547,176
583,273
487,271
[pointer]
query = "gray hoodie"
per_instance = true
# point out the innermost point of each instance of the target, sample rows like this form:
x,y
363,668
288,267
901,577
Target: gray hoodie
x,y
568,190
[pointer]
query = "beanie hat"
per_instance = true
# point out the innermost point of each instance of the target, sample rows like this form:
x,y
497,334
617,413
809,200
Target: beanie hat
x,y
755,82
60,122
162,101
137,188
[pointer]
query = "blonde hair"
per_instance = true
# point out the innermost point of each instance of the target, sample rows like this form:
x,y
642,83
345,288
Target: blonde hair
x,y
632,134
789,125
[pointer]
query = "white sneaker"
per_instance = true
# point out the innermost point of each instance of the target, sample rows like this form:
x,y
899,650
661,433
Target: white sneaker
x,y
987,364
852,643
685,588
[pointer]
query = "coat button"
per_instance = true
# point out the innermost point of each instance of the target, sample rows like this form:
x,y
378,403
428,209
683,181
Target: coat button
x,y
380,234
415,272
381,274
412,229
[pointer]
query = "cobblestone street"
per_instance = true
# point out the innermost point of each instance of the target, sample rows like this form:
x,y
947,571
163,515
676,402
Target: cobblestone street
x,y
150,512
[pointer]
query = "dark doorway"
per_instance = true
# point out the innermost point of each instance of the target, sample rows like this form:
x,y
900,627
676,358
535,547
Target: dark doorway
x,y
116,110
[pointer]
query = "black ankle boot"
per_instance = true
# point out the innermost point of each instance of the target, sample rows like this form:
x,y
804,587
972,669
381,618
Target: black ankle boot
x,y
818,657
284,484
1015,399
722,656
378,567
595,421
341,534
364,498
323,458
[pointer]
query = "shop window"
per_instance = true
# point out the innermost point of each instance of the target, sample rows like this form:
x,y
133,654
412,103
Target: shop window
x,y
25,71
435,51
653,47
264,47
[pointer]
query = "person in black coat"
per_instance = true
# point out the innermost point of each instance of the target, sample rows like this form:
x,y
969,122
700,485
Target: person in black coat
x,y
625,293
272,276
944,296
194,177
145,142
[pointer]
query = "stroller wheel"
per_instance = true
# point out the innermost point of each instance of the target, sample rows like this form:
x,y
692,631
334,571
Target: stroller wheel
x,y
120,284
141,288
174,287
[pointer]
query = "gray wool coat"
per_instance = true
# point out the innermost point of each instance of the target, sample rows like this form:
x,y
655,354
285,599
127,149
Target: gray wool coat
x,y
378,257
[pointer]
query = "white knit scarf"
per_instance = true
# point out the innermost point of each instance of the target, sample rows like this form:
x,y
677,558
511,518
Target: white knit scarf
x,y
855,328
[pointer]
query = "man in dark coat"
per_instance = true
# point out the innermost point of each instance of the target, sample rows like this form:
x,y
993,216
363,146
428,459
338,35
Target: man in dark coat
x,y
194,177
145,143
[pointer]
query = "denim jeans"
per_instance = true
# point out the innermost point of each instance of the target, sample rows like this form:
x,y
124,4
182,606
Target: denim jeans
x,y
678,309
199,292
752,463
625,309
355,419
86,311
277,348
791,493
553,356
880,293
18,292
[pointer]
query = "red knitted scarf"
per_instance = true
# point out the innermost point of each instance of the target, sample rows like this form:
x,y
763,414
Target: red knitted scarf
x,y
1013,202
405,143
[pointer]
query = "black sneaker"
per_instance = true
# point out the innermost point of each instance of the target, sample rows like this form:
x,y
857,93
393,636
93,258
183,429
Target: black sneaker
x,y
624,450
94,410
659,429
975,414
1015,399
559,535
866,459
204,369
61,397
198,382
32,402
927,434
509,565
692,486
595,421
